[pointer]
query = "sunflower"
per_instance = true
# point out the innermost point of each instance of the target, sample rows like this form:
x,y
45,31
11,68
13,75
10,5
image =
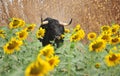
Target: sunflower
x,y
115,40
47,51
62,36
105,37
31,27
38,68
67,30
15,23
97,45
114,28
2,33
40,33
12,45
77,28
91,35
22,35
112,59
53,61
97,65
105,28
114,48
82,33
22,23
77,36
33,70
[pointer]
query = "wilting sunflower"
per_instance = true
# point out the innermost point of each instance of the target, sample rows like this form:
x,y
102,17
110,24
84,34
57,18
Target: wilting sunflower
x,y
40,33
22,35
114,28
115,40
77,28
53,61
112,59
38,68
97,45
12,45
47,51
2,33
16,22
67,30
91,35
77,36
31,27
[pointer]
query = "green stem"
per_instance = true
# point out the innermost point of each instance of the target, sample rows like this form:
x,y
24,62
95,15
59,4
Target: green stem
x,y
72,46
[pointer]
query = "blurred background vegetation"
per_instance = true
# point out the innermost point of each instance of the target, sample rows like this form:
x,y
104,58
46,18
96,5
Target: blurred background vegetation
x,y
91,14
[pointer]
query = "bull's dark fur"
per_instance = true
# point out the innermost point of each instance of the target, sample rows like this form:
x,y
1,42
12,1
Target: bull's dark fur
x,y
52,30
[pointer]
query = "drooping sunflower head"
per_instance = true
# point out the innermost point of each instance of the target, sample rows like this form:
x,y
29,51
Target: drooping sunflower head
x,y
97,45
91,35
47,51
53,61
40,33
15,23
22,35
2,33
112,59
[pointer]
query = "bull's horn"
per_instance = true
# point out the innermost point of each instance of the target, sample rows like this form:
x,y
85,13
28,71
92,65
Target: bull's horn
x,y
65,24
45,22
41,19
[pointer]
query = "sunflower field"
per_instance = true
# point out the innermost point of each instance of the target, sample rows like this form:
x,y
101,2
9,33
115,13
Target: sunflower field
x,y
22,54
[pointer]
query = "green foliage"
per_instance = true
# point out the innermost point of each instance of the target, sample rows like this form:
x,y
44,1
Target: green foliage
x,y
15,64
75,58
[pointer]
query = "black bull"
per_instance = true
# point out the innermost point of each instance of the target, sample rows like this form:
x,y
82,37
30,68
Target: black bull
x,y
53,31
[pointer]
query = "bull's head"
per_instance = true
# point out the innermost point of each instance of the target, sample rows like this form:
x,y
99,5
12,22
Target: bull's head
x,y
53,31
54,26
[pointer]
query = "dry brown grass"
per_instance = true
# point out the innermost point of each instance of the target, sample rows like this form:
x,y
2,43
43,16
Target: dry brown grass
x,y
91,14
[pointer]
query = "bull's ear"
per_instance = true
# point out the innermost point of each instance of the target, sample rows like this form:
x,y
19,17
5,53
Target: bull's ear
x,y
65,24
